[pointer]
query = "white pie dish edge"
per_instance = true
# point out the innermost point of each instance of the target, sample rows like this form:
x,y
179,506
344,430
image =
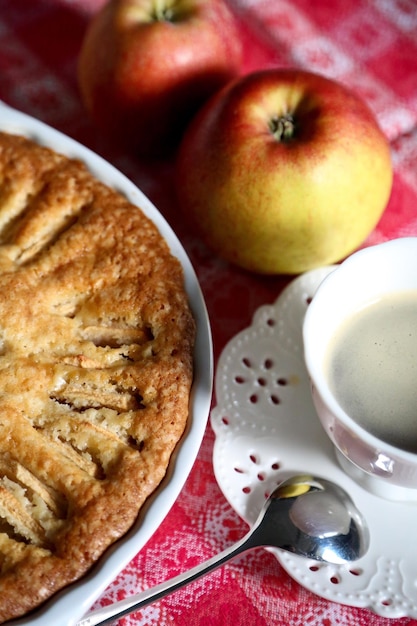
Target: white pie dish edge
x,y
69,605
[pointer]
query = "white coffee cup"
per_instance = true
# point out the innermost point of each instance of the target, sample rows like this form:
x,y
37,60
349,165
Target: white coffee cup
x,y
373,273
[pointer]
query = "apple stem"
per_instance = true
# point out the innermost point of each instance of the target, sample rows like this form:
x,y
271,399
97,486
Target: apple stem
x,y
162,12
282,127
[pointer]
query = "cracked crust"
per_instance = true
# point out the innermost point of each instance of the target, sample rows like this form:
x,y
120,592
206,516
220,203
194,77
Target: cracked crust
x,y
96,342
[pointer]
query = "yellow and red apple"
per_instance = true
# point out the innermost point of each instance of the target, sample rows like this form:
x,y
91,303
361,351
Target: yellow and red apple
x,y
283,171
146,66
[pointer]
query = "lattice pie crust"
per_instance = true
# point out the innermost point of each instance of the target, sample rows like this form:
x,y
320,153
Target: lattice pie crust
x,y
96,341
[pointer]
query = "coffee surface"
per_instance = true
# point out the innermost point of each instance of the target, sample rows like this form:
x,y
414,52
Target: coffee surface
x,y
372,367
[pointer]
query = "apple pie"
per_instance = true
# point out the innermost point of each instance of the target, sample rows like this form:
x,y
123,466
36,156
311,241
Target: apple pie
x,y
96,357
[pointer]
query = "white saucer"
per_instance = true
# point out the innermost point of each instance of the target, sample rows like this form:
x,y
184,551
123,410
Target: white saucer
x,y
266,427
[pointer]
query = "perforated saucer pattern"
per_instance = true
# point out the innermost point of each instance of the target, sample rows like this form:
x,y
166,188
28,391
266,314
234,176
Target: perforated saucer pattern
x,y
266,428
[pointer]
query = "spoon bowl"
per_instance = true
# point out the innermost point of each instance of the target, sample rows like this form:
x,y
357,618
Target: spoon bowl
x,y
308,516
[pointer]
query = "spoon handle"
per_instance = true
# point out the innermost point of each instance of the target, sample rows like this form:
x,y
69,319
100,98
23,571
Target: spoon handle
x,y
108,614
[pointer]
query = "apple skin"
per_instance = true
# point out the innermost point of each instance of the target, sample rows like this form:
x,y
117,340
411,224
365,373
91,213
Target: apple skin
x,y
276,206
146,66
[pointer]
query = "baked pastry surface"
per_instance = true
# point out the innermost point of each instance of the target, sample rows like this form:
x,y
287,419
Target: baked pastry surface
x,y
96,343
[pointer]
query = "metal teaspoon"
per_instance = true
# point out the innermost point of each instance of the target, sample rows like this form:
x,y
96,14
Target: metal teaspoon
x,y
305,515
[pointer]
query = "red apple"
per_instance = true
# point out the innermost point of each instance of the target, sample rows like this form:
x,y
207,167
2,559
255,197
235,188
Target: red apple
x,y
146,66
283,171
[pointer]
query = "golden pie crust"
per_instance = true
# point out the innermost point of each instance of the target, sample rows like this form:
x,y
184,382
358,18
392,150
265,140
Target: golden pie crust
x,y
96,345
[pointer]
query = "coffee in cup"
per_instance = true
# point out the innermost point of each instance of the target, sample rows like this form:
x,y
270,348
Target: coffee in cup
x,y
360,347
372,368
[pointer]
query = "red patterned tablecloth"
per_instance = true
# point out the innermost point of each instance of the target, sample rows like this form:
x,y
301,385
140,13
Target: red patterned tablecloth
x,y
371,45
